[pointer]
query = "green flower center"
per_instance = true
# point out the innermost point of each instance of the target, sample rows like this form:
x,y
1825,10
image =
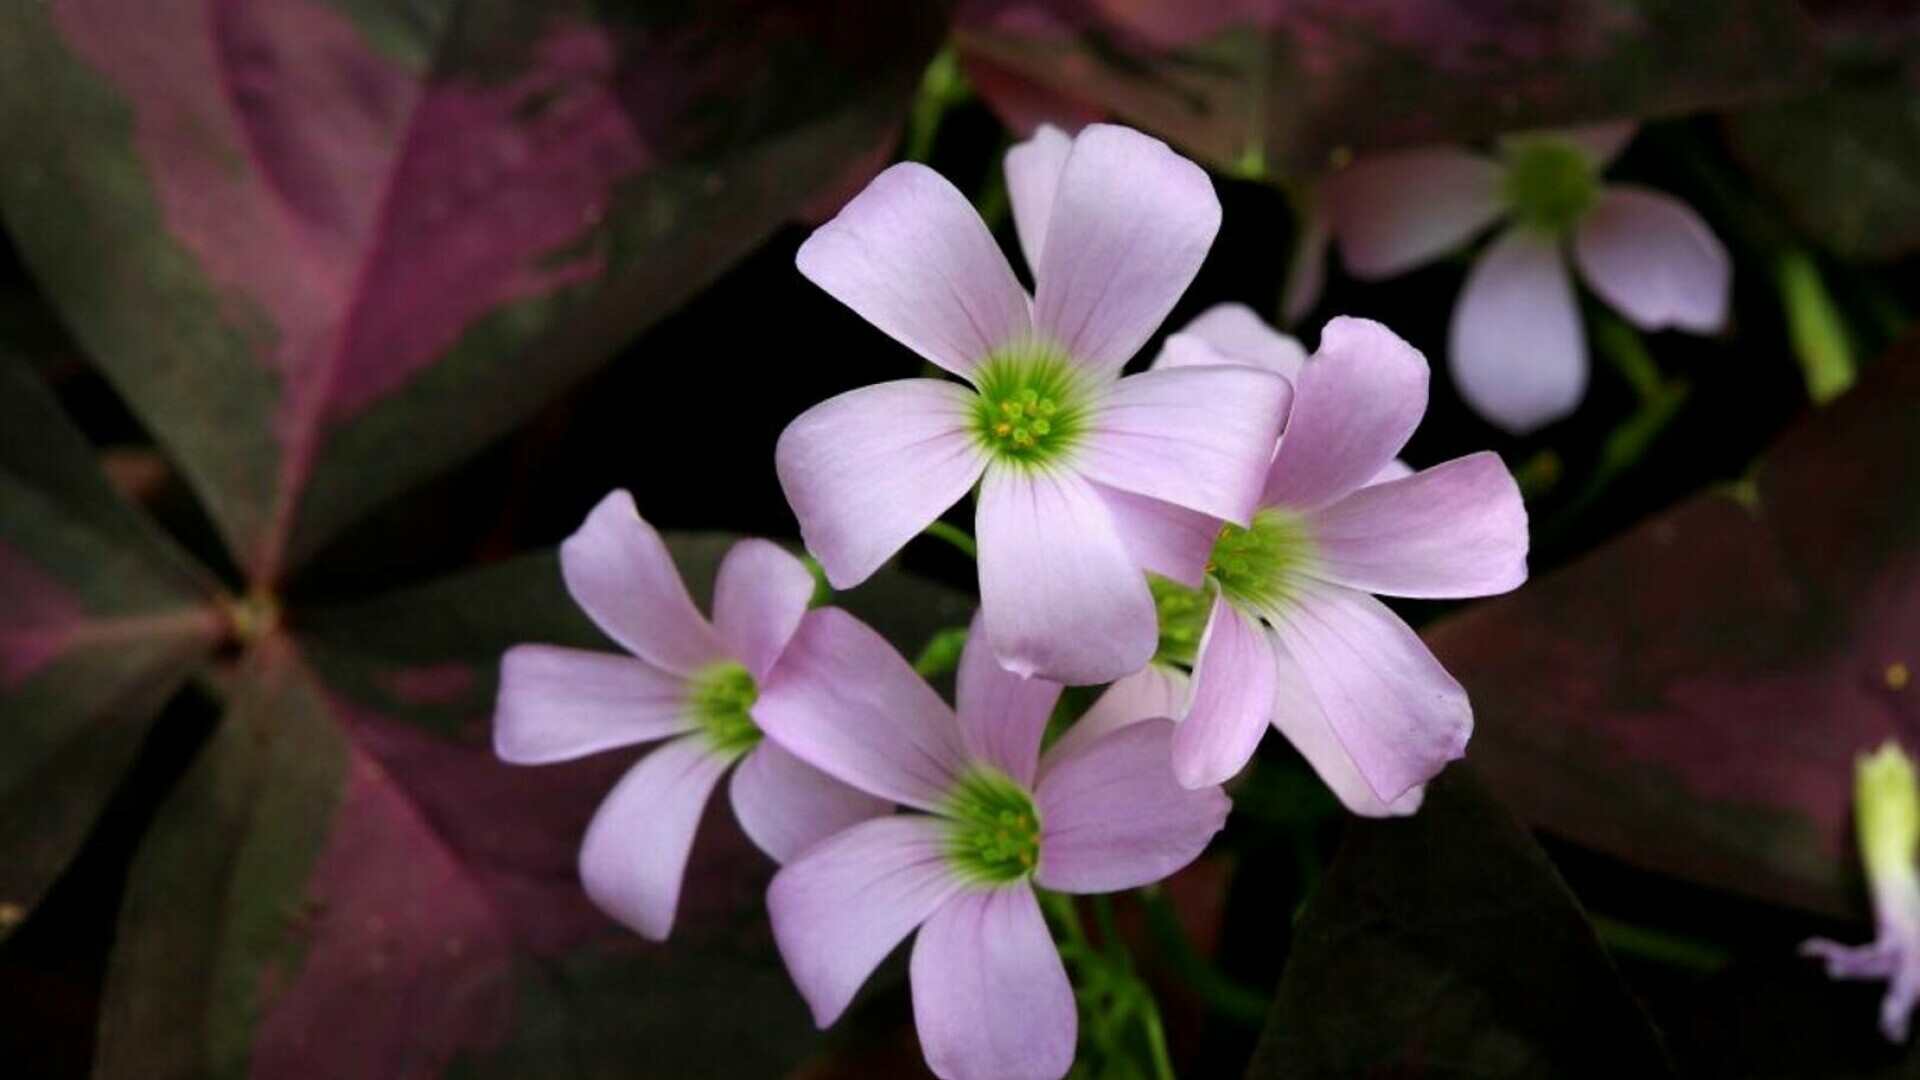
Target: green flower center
x,y
994,829
1256,567
1550,182
1032,406
719,698
1183,620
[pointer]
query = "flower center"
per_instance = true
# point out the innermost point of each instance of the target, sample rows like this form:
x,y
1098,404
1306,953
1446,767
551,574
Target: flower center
x,y
994,829
719,698
1256,567
1032,406
1550,182
1183,620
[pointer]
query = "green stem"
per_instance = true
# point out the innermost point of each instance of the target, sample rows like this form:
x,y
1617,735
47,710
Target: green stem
x,y
1156,1036
1815,326
1219,991
955,536
1623,347
1659,946
941,87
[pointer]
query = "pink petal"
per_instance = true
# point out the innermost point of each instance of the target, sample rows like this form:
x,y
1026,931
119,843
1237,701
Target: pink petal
x,y
1033,175
557,704
1198,437
1519,357
1155,692
1297,713
1162,538
1307,269
635,851
1060,595
845,702
619,572
758,598
1232,700
1390,703
1397,211
1355,404
1132,222
1113,816
1392,470
1458,529
1233,333
1002,716
991,1000
868,470
841,907
786,805
913,258
1652,259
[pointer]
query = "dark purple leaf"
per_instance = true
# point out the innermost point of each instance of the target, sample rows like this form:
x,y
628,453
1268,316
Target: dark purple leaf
x,y
1691,697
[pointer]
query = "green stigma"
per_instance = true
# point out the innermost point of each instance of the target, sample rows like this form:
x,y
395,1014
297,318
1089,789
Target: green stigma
x,y
994,829
1032,406
1886,811
719,699
1183,620
1255,566
1550,181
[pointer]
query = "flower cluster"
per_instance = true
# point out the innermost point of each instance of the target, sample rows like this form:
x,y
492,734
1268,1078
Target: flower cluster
x,y
1206,535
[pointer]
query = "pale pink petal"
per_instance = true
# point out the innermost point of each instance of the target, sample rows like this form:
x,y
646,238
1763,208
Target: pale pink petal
x,y
1232,700
845,702
635,852
758,598
1233,333
557,704
620,573
1458,529
1033,175
1390,703
1163,539
1392,470
911,256
1599,143
1298,716
1652,259
1355,404
1307,269
786,805
1393,212
1002,716
868,470
1518,355
841,907
991,1000
1132,222
1199,437
1114,817
1155,692
1061,596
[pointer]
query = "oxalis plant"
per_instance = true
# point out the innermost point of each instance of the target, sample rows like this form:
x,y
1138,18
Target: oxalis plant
x,y
1114,444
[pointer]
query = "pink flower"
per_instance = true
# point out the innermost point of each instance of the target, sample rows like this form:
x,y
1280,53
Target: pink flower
x,y
689,681
1293,637
1081,472
990,997
1516,348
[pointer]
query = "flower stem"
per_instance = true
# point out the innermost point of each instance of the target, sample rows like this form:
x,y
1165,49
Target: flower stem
x,y
1220,991
955,536
1815,326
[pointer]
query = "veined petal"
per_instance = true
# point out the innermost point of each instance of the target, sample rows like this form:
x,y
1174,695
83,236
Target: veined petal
x,y
1458,529
991,1000
841,907
1518,355
557,704
1033,176
1163,539
758,598
1355,404
1060,595
1155,692
1652,259
1393,212
1298,716
786,806
1234,334
1131,224
1199,437
635,852
1114,817
1232,700
845,702
868,470
619,571
1390,703
1002,716
911,256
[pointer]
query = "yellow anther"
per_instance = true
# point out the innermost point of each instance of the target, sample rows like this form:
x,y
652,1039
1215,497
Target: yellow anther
x,y
1898,676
